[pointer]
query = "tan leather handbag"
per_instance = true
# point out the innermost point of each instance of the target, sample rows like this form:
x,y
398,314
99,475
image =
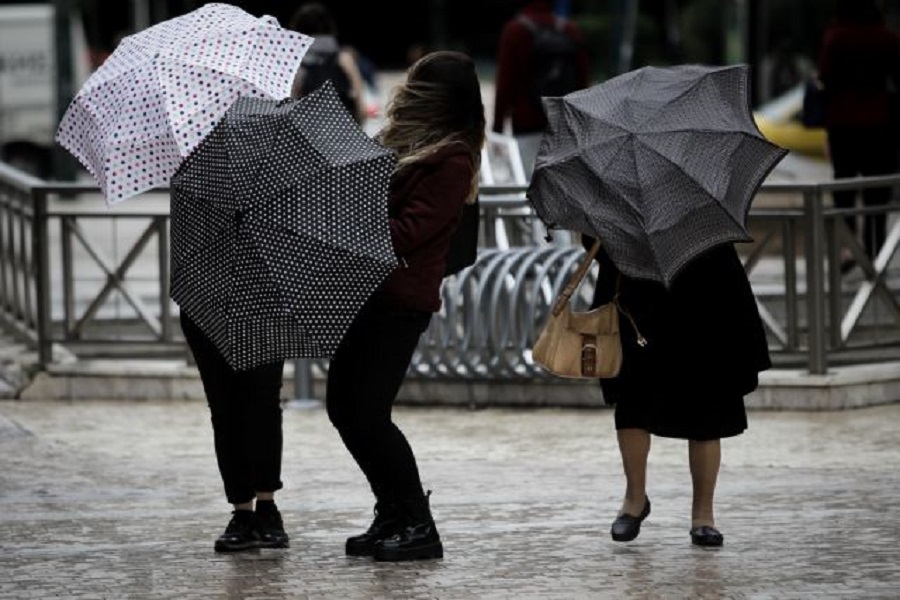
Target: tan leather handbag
x,y
580,345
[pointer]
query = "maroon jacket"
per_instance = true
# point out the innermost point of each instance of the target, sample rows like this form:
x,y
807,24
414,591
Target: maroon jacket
x,y
425,206
855,63
512,98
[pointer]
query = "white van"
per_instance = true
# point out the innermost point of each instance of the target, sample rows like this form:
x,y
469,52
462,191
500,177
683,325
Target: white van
x,y
28,105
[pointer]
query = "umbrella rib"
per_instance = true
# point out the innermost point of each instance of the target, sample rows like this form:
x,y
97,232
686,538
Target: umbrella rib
x,y
579,148
596,119
694,84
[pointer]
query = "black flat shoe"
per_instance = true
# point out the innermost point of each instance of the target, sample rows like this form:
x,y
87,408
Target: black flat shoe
x,y
625,528
706,536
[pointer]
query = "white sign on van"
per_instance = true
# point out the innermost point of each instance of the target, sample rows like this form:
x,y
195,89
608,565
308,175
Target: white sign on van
x,y
28,75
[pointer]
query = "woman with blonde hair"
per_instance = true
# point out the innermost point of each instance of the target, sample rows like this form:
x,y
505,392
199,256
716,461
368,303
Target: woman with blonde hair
x,y
436,125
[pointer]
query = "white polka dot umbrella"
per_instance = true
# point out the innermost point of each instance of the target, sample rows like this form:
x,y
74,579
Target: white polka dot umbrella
x,y
163,89
280,228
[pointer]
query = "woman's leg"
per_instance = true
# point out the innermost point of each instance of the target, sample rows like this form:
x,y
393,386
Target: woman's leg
x,y
260,391
226,417
704,458
245,410
364,377
246,414
634,446
261,397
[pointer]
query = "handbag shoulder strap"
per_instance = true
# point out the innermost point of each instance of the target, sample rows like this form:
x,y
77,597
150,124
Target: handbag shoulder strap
x,y
575,280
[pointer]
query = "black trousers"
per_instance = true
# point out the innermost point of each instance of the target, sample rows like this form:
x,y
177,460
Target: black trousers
x,y
245,407
864,151
364,377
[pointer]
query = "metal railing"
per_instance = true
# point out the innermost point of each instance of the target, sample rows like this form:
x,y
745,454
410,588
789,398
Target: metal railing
x,y
95,280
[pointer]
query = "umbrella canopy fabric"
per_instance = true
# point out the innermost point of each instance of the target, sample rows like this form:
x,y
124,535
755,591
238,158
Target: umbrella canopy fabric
x,y
163,90
280,228
660,164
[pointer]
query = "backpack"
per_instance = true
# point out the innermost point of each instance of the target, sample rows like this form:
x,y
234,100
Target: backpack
x,y
318,67
554,59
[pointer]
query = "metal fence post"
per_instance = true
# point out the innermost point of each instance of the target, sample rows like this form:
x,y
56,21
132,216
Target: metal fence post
x,y
815,279
41,251
164,260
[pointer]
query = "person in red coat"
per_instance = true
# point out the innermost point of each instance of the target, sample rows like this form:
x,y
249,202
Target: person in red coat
x,y
515,106
436,125
858,65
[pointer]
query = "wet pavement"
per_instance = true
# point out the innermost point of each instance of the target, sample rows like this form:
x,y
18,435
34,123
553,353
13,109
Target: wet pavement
x,y
106,499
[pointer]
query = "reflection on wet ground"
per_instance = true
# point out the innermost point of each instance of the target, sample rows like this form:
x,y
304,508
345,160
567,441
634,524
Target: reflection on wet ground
x,y
122,500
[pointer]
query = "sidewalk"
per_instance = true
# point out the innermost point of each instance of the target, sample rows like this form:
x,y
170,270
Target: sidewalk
x,y
122,500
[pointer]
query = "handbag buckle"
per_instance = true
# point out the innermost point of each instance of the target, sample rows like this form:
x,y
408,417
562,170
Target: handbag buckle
x,y
588,355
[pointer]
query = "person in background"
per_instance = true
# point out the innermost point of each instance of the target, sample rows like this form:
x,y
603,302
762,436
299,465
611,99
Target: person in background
x,y
859,67
518,90
436,125
691,354
246,412
327,59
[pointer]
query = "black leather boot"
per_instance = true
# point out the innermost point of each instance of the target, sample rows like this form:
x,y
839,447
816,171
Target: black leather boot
x,y
388,521
417,540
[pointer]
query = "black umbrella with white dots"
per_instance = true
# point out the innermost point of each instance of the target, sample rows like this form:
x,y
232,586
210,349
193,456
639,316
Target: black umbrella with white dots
x,y
280,228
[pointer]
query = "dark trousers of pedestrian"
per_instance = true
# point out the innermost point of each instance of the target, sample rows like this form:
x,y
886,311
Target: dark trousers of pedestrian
x,y
864,151
245,407
364,377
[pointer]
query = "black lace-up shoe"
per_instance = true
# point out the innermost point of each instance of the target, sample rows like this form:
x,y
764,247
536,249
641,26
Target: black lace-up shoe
x,y
241,533
270,528
418,539
388,521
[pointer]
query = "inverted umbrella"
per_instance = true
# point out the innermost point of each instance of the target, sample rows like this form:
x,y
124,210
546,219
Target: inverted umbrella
x,y
163,89
280,228
660,164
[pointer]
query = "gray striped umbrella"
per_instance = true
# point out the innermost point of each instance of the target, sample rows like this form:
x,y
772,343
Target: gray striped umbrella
x,y
280,228
660,164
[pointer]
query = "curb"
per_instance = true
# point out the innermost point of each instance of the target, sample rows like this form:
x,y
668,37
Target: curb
x,y
779,389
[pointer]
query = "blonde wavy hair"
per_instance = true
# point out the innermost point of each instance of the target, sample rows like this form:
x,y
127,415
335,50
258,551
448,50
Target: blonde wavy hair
x,y
439,104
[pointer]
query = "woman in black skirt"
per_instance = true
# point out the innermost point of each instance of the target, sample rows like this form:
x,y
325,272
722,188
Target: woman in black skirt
x,y
705,346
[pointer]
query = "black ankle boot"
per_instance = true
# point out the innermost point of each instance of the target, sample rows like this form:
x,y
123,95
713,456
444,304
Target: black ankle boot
x,y
388,521
418,539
